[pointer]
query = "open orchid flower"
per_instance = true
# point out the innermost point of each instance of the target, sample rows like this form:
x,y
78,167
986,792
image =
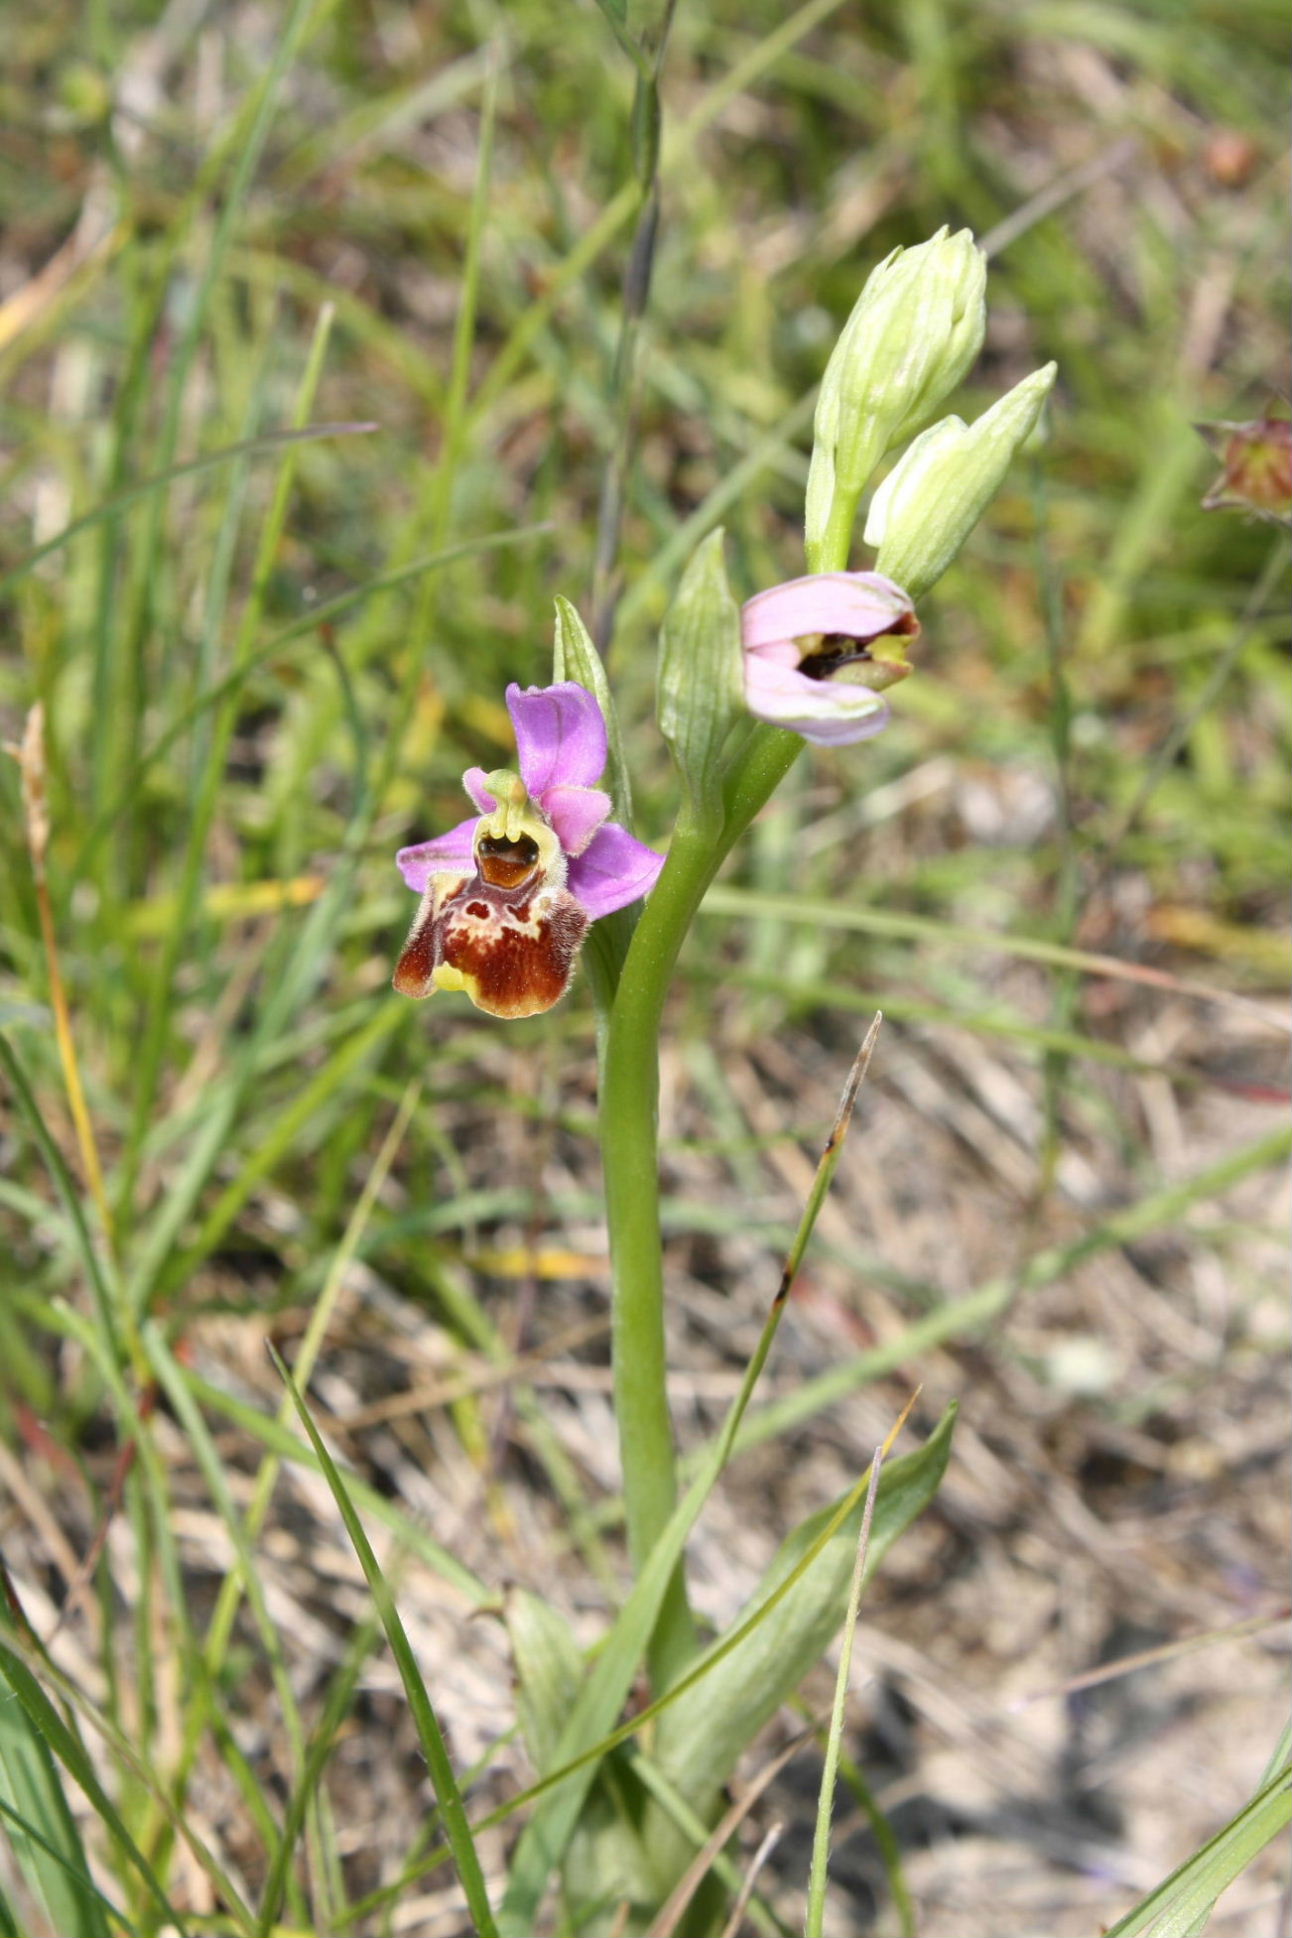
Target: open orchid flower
x,y
508,895
817,651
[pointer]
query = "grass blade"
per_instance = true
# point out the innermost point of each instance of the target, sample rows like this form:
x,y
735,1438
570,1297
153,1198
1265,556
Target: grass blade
x,y
1181,1905
909,1484
207,783
606,1689
42,1831
445,1784
282,1443
815,1921
118,501
102,1287
960,1317
725,900
304,629
44,1720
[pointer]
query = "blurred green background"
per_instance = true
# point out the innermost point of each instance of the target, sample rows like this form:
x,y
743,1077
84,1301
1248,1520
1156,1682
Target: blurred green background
x,y
263,674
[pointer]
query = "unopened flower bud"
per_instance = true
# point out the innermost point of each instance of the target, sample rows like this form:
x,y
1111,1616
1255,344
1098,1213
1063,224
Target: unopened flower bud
x,y
934,496
916,328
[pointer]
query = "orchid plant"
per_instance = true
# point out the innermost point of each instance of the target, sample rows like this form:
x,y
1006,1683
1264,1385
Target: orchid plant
x,y
510,896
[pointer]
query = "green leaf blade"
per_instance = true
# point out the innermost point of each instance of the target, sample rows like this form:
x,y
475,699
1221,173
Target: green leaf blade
x,y
449,1796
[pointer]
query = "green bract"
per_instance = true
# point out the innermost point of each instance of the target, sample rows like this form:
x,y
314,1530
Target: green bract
x,y
916,328
575,657
701,678
936,493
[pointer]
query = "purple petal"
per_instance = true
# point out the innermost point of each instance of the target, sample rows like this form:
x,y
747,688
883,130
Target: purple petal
x,y
576,813
452,850
831,713
560,736
860,605
614,869
474,782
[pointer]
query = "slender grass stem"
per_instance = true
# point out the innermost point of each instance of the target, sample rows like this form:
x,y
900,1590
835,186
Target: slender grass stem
x,y
614,484
217,735
1067,882
624,381
31,760
818,1883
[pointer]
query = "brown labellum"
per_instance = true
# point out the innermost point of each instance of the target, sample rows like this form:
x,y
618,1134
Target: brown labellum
x,y
512,948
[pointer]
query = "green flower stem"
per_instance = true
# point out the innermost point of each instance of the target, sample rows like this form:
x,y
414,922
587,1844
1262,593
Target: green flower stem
x,y
630,1156
764,761
629,1121
830,553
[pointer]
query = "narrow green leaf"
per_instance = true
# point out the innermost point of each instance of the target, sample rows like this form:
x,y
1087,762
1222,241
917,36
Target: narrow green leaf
x,y
789,1622
97,1270
1281,1758
207,782
439,1765
228,454
890,1851
8,1923
648,21
175,1384
1182,1904
549,1669
616,17
45,1720
606,1860
278,1438
42,1832
307,1789
815,1921
287,1126
301,633
436,507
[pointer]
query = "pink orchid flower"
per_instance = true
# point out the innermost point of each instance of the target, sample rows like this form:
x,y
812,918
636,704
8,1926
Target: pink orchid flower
x,y
811,662
509,894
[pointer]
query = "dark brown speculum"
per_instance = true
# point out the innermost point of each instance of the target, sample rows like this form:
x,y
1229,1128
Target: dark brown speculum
x,y
832,651
827,653
506,864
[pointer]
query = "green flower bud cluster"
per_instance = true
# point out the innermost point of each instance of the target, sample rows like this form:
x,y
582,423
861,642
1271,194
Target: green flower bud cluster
x,y
916,328
914,331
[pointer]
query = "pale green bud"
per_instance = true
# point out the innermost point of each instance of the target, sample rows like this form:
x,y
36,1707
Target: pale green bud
x,y
916,328
934,496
